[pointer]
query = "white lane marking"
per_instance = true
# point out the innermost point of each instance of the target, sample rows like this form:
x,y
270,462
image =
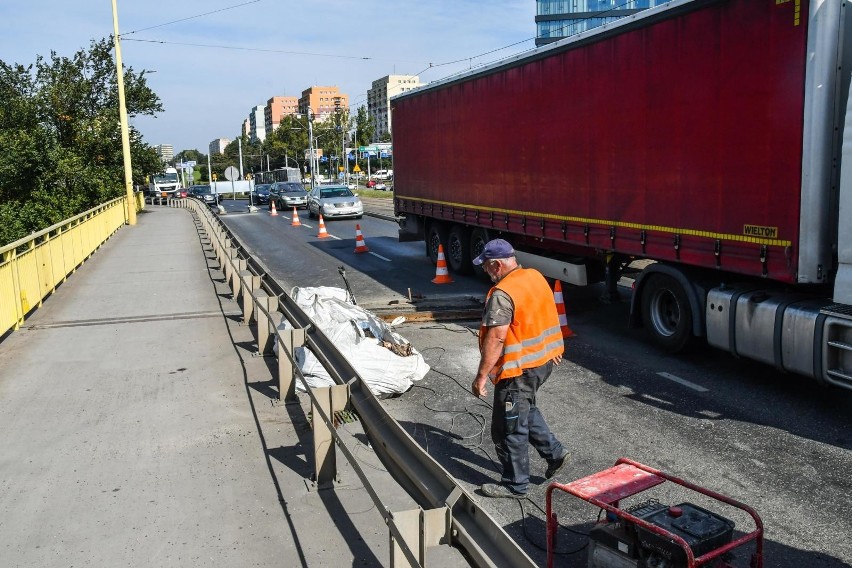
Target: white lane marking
x,y
333,236
380,256
683,382
308,226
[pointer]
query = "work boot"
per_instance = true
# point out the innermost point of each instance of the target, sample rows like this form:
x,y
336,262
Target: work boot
x,y
553,466
495,490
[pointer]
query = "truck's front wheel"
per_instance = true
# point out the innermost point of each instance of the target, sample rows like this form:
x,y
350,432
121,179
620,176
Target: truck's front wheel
x,y
666,314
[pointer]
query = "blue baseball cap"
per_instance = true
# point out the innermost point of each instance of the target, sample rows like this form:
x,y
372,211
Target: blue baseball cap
x,y
495,249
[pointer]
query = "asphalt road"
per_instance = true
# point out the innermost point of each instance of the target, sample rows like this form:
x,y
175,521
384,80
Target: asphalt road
x,y
774,441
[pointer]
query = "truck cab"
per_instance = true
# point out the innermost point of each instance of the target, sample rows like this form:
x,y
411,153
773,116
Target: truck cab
x,y
164,184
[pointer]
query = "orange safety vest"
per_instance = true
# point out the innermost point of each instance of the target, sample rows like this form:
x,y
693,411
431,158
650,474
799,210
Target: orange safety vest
x,y
534,336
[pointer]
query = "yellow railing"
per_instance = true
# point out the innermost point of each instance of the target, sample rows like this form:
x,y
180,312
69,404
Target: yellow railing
x,y
31,268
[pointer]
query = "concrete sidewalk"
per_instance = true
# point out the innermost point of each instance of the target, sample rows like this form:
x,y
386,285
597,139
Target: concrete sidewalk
x,y
138,430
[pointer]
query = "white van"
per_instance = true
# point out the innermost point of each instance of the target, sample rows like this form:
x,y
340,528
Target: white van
x,y
383,175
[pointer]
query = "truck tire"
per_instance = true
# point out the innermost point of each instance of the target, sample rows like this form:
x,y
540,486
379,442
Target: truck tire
x,y
437,235
666,314
478,238
458,250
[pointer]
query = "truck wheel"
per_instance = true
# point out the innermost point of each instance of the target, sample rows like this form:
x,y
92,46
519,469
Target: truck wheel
x,y
437,235
478,238
666,314
458,250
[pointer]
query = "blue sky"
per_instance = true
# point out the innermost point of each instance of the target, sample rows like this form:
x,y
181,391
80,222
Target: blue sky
x,y
208,92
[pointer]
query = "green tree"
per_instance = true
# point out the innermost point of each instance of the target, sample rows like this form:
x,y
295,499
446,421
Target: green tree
x,y
61,139
287,143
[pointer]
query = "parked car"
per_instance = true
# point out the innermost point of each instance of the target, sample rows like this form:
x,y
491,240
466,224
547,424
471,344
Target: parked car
x,y
287,194
381,186
204,193
260,195
334,201
371,183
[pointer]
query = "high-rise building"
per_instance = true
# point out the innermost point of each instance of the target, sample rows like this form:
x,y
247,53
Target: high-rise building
x,y
557,19
166,152
379,96
257,124
218,146
277,108
246,127
322,101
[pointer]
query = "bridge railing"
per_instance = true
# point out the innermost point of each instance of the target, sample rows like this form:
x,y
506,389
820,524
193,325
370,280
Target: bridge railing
x,y
31,268
446,513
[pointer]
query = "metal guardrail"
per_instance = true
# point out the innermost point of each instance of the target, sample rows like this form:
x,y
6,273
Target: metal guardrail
x,y
448,514
31,268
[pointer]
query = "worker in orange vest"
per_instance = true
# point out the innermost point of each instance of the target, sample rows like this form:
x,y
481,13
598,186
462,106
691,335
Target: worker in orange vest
x,y
519,343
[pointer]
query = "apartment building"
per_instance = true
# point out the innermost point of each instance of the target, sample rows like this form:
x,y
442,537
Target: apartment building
x,y
166,152
277,108
257,124
322,101
218,146
557,19
379,96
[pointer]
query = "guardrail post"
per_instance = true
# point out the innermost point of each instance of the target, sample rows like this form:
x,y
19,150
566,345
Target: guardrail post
x,y
265,305
330,399
238,266
289,340
420,530
250,284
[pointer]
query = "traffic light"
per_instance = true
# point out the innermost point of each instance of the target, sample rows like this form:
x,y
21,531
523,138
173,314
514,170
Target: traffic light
x,y
215,177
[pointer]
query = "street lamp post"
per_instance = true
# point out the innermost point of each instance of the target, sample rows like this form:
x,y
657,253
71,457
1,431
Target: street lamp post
x,y
122,117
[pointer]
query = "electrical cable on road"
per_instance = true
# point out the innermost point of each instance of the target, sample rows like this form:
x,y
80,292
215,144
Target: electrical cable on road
x,y
479,446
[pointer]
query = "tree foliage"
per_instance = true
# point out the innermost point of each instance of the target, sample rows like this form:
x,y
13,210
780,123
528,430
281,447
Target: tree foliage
x,y
61,138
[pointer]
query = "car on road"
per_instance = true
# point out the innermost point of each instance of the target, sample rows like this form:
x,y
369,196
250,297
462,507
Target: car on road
x,y
260,195
287,194
204,193
334,201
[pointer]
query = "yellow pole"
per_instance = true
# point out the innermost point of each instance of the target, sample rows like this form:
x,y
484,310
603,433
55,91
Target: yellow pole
x,y
122,116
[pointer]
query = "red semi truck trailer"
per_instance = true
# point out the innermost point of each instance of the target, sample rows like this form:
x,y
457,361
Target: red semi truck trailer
x,y
704,135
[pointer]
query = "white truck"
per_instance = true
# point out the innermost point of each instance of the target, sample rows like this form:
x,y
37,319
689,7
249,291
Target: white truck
x,y
164,184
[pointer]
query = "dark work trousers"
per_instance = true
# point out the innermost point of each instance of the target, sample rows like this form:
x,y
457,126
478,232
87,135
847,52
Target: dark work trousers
x,y
516,422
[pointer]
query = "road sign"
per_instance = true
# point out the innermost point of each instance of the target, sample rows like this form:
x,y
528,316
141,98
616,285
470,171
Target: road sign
x,y
232,173
190,164
340,168
356,169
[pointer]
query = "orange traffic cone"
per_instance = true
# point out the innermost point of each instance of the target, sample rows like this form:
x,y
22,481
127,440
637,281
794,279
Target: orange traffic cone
x,y
296,222
360,245
322,232
560,309
274,211
442,276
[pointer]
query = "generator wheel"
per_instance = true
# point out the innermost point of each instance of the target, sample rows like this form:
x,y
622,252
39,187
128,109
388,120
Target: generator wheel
x,y
458,250
437,236
666,314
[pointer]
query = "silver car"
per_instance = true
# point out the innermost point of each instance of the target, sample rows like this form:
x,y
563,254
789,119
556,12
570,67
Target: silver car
x,y
287,194
334,201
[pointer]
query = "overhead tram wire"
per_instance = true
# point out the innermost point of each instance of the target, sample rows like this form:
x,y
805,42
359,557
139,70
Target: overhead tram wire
x,y
239,48
193,17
